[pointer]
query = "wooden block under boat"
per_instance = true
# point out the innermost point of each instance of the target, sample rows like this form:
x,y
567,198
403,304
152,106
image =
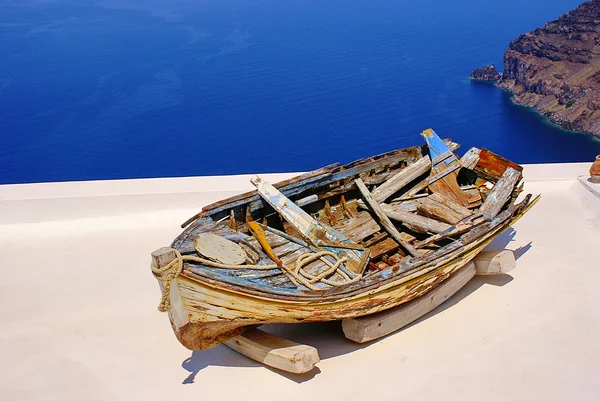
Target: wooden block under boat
x,y
372,327
274,351
494,262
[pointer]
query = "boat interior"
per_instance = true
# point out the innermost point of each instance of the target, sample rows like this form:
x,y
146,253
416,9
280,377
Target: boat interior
x,y
344,228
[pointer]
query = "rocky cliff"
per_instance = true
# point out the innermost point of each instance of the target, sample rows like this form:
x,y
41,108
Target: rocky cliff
x,y
487,73
556,69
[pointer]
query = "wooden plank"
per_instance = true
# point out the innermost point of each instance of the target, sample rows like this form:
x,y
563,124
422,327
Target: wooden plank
x,y
406,205
494,262
473,197
443,174
372,327
470,159
443,209
359,227
500,194
383,219
442,157
493,166
383,247
459,228
404,177
420,222
274,351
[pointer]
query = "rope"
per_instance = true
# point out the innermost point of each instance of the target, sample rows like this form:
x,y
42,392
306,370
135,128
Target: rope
x,y
166,274
297,275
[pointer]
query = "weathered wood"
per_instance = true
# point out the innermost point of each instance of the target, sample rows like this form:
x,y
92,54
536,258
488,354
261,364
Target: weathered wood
x,y
383,219
327,209
405,177
406,205
470,159
473,197
377,179
372,327
500,194
274,351
459,228
311,229
359,227
383,247
161,258
444,173
443,209
414,219
494,262
219,249
346,208
417,188
493,166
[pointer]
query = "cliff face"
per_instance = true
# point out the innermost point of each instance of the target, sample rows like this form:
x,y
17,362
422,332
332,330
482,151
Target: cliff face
x,y
556,69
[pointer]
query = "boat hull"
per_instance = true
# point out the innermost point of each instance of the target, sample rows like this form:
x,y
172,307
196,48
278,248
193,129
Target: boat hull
x,y
215,314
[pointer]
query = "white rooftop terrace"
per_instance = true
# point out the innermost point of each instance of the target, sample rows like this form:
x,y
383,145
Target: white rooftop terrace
x,y
79,318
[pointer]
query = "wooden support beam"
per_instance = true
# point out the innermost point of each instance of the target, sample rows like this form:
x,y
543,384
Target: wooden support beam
x,y
372,327
274,351
494,262
500,194
383,219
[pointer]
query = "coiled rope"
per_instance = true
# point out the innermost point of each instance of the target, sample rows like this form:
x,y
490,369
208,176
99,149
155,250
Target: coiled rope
x,y
174,268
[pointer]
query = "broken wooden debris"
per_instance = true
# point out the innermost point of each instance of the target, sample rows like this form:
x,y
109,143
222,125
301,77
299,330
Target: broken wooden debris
x,y
372,327
420,222
470,159
443,209
383,219
444,168
383,247
404,177
359,227
500,194
491,166
456,229
275,351
318,234
495,262
473,197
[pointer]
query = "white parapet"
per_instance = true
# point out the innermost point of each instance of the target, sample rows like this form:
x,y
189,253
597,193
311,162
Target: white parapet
x,y
80,322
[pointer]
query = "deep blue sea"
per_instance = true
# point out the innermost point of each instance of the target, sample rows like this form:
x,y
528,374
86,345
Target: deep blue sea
x,y
146,88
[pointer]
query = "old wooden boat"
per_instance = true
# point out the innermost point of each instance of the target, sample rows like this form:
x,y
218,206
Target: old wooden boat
x,y
335,243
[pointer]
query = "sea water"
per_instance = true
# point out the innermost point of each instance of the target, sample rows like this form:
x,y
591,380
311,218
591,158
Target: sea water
x,y
125,89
